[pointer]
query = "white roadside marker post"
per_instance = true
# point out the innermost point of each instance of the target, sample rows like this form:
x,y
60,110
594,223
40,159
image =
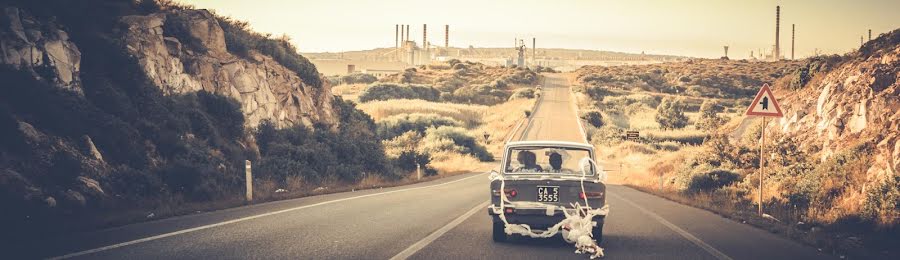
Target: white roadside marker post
x,y
764,105
418,171
249,178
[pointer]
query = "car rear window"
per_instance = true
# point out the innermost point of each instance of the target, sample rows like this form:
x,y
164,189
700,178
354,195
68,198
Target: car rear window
x,y
546,160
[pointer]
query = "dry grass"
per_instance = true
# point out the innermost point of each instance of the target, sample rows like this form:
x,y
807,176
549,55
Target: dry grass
x,y
470,115
348,91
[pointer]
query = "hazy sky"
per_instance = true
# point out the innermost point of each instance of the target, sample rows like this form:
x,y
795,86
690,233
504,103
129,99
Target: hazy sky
x,y
685,27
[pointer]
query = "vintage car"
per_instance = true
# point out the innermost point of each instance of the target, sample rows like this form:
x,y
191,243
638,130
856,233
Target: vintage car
x,y
540,180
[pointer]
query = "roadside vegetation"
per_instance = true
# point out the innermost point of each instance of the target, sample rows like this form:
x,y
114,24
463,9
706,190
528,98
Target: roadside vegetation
x,y
696,147
443,111
124,151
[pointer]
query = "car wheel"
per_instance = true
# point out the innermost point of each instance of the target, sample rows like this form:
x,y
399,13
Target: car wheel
x,y
499,232
597,232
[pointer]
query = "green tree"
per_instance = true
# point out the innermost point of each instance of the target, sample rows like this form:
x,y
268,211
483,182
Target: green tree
x,y
709,116
670,114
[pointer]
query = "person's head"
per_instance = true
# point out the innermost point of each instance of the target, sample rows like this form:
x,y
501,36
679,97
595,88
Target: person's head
x,y
521,157
526,158
555,161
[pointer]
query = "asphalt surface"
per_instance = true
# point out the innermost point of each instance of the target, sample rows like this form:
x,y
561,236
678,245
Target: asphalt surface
x,y
441,219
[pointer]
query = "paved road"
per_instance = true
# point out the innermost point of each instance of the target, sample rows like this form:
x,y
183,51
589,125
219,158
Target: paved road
x,y
442,219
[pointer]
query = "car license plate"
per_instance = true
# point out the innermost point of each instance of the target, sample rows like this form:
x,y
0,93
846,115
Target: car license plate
x,y
548,193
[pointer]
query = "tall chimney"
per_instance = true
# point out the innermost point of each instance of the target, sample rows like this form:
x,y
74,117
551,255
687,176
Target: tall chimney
x,y
777,32
425,36
533,52
396,36
407,32
870,34
793,37
447,36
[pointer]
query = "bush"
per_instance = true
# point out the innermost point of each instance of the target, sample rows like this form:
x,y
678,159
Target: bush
x,y
594,118
709,116
358,78
454,139
522,93
240,40
710,181
670,114
387,91
396,125
320,153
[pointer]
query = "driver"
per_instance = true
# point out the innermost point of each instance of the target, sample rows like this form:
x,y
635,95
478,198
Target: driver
x,y
528,160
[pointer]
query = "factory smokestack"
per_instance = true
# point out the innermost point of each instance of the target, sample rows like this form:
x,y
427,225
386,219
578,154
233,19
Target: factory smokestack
x,y
447,36
870,34
793,37
533,52
396,36
777,32
425,36
407,33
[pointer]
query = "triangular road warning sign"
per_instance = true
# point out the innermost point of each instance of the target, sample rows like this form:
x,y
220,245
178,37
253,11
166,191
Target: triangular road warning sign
x,y
764,104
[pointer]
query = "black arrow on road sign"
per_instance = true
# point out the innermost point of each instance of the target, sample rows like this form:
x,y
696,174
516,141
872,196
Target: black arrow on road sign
x,y
765,103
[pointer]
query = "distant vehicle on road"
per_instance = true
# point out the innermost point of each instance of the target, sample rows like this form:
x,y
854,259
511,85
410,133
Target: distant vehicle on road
x,y
543,178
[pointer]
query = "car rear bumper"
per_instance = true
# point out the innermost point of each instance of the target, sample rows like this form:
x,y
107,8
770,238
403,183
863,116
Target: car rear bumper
x,y
539,217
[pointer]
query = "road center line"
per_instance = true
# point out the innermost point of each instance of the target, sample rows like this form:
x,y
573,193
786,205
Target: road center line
x,y
409,251
184,231
711,250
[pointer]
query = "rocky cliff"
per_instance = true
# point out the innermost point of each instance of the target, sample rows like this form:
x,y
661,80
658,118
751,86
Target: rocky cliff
x,y
41,48
857,101
265,89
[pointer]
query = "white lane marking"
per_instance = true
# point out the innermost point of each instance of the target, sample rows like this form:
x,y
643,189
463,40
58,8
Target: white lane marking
x,y
146,239
709,249
409,251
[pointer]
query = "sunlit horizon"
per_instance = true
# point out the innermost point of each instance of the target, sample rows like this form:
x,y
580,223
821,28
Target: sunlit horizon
x,y
689,28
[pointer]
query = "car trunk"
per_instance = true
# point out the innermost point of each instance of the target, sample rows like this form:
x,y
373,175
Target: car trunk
x,y
527,190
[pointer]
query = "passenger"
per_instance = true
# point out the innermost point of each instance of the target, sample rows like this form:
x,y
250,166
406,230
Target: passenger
x,y
555,162
528,161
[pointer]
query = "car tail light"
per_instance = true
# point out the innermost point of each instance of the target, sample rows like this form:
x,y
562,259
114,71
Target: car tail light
x,y
509,211
511,193
590,195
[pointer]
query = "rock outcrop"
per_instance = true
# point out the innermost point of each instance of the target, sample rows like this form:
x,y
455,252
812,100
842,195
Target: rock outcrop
x,y
196,58
858,101
39,47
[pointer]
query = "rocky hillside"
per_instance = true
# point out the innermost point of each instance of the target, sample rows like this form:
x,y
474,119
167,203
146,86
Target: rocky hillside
x,y
147,107
850,105
184,51
181,51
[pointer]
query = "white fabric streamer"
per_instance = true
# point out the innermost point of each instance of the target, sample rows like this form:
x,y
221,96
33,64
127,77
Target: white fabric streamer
x,y
576,227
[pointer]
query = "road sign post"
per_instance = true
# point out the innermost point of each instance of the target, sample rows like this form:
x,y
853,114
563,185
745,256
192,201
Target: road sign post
x,y
764,105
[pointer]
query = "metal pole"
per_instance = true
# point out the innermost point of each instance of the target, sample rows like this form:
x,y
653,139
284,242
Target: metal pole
x,y
249,177
762,165
418,171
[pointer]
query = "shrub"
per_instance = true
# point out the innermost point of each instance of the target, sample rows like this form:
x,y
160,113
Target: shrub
x,y
358,78
670,114
710,181
240,40
396,125
454,139
709,117
594,118
522,93
387,91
